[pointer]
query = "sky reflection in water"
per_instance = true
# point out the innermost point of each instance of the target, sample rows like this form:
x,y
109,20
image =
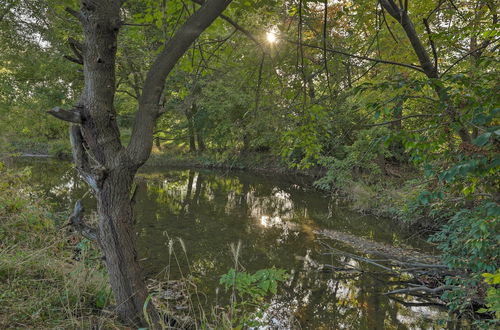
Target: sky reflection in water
x,y
275,218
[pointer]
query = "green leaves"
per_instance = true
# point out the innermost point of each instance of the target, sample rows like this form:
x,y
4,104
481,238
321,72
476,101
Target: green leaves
x,y
102,298
482,139
426,197
471,238
257,285
492,293
252,290
473,166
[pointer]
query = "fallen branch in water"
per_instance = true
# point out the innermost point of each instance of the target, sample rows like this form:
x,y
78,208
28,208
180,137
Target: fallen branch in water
x,y
355,257
421,288
341,269
417,304
419,266
404,256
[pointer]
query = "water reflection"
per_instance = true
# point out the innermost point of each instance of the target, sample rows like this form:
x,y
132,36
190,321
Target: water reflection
x,y
275,219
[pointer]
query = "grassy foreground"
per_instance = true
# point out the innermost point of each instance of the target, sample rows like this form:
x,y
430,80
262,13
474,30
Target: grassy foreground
x,y
48,278
51,278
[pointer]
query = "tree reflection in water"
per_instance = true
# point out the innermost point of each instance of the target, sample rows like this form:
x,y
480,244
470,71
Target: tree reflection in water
x,y
275,219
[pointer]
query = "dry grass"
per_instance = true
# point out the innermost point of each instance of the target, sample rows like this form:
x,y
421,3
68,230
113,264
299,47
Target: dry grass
x,y
44,284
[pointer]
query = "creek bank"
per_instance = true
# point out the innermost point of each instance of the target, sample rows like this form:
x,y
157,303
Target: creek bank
x,y
48,279
253,162
58,148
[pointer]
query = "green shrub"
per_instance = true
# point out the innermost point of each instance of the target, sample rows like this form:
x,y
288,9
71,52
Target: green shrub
x,y
363,161
252,289
254,286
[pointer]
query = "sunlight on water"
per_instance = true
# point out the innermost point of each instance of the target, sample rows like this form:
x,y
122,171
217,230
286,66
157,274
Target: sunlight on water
x,y
276,219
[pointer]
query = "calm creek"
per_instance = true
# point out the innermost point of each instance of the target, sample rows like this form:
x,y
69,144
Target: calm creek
x,y
275,218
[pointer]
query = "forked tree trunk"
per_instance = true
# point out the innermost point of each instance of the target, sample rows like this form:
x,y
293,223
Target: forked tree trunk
x,y
107,166
104,162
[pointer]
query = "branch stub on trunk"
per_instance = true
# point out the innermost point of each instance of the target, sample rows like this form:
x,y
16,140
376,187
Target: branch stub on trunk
x,y
72,116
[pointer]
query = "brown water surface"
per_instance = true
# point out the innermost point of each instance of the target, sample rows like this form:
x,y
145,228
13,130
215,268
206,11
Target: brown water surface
x,y
275,218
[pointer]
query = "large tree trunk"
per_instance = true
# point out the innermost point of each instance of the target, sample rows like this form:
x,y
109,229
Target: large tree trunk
x,y
106,166
99,156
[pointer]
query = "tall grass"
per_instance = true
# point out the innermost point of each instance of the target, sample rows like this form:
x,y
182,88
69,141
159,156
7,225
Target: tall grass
x,y
46,281
245,305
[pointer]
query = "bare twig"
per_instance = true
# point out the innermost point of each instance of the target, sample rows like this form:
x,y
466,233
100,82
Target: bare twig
x,y
431,41
399,119
410,66
461,58
74,13
73,59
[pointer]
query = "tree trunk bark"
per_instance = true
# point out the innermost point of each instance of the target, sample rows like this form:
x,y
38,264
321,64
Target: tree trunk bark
x,y
200,140
117,241
99,156
198,129
103,162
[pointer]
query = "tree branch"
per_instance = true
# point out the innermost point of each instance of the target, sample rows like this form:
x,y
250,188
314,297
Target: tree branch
x,y
410,66
76,221
388,27
77,48
461,58
126,92
74,60
74,13
238,27
437,290
401,15
142,134
325,60
399,119
93,175
73,116
431,42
